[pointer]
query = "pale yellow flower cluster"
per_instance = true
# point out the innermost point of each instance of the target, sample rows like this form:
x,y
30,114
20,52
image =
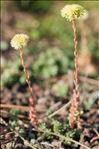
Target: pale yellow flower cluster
x,y
19,41
73,11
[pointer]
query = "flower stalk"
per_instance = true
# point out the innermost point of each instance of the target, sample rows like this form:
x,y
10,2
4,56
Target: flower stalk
x,y
76,73
32,112
74,112
72,13
19,41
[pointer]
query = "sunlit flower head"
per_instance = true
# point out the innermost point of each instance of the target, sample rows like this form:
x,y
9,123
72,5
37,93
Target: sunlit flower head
x,y
73,11
19,41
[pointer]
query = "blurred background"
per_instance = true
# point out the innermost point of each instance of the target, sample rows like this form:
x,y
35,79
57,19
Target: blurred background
x,y
50,50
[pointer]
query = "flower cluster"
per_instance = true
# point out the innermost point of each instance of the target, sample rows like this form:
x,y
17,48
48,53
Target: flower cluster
x,y
19,41
74,11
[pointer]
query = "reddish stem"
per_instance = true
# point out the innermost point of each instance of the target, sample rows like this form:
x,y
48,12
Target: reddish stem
x,y
74,113
32,113
76,73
